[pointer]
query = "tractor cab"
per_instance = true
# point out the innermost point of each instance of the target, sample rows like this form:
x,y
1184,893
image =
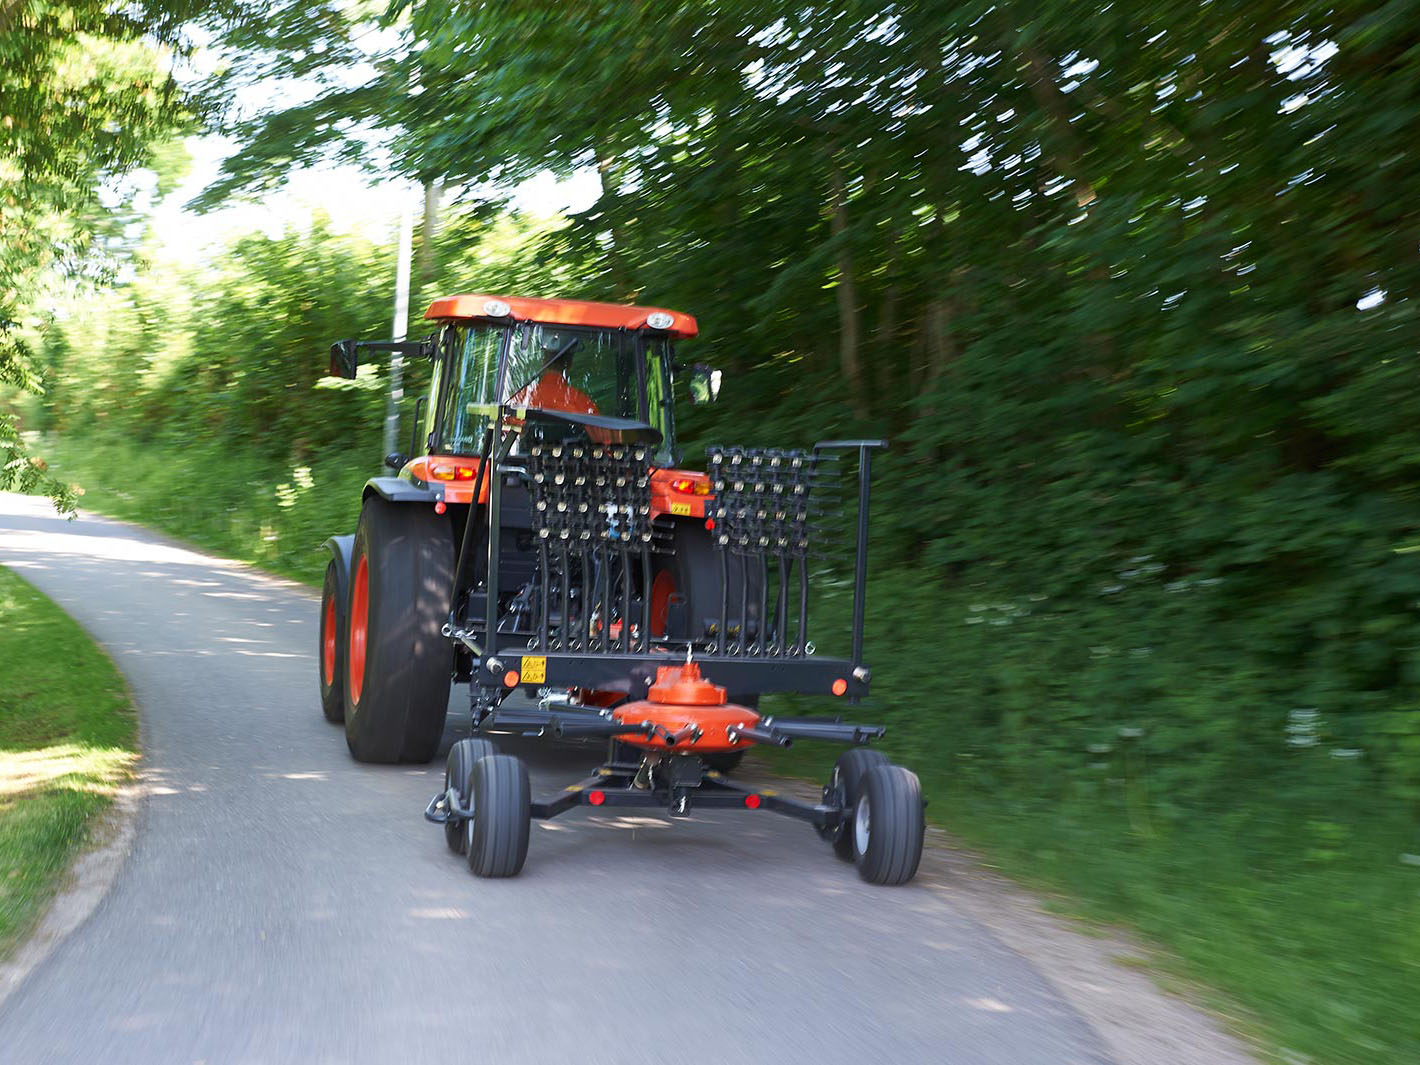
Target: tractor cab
x,y
599,371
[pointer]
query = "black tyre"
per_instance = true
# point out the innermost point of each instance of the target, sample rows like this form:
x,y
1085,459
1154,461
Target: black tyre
x,y
462,756
398,663
685,590
497,836
887,825
843,790
330,652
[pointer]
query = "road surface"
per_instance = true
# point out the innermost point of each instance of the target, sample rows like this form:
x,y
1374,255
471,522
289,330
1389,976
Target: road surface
x,y
282,903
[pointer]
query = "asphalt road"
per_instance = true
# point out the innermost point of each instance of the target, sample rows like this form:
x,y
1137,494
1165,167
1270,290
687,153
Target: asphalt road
x,y
284,904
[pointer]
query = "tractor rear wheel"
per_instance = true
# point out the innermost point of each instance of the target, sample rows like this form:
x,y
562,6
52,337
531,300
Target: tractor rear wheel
x,y
331,650
843,790
398,662
685,590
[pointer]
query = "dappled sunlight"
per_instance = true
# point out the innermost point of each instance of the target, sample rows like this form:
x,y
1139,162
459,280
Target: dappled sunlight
x,y
94,769
105,548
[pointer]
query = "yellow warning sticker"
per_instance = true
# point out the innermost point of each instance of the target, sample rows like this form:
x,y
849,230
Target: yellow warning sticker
x,y
534,669
680,508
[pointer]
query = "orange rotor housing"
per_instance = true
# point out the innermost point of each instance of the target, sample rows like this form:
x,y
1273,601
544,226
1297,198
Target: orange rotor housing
x,y
682,701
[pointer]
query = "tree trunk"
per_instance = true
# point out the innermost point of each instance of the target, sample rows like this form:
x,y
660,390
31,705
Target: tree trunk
x,y
616,254
428,233
847,296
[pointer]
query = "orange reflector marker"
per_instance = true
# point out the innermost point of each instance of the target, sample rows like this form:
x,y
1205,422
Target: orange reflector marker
x,y
840,686
596,798
752,801
511,678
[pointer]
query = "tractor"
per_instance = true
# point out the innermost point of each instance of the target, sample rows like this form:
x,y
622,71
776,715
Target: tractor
x,y
542,544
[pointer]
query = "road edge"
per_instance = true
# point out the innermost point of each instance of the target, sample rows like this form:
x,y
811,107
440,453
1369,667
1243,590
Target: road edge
x,y
85,886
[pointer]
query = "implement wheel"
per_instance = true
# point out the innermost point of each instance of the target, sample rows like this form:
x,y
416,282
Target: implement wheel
x,y
886,830
398,661
462,756
843,790
330,651
497,836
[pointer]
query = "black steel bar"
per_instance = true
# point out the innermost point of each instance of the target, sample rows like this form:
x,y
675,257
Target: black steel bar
x,y
865,450
832,732
744,605
762,636
495,520
803,604
860,569
645,598
724,600
471,528
624,556
604,551
544,633
759,735
781,611
564,627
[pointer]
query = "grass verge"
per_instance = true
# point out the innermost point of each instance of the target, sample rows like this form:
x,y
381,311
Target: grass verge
x,y
67,740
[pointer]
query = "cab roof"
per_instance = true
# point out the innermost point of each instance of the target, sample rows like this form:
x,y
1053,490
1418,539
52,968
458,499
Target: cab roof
x,y
557,312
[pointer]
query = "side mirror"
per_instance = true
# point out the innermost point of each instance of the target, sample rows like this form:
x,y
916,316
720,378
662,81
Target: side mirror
x,y
395,461
704,383
342,359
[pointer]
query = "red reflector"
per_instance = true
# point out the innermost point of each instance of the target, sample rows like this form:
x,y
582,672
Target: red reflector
x,y
511,678
840,686
752,801
710,524
439,507
596,798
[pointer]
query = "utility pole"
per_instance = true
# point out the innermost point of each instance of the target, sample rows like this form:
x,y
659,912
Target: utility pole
x,y
401,320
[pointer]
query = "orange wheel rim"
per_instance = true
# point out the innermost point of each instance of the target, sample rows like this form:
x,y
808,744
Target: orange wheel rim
x,y
359,627
327,641
662,588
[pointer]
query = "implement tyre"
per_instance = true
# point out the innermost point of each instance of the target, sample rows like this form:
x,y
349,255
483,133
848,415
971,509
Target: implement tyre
x,y
399,663
497,836
330,652
887,825
462,756
843,789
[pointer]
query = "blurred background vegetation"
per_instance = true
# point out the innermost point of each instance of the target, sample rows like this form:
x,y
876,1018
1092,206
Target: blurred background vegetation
x,y
1132,291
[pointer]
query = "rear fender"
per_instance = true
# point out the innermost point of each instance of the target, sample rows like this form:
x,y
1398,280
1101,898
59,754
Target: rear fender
x,y
341,548
400,490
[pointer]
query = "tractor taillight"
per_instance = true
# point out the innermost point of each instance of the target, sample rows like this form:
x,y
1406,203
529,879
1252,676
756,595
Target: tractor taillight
x,y
464,473
443,472
691,487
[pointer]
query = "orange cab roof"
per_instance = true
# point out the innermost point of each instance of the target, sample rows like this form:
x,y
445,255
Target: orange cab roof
x,y
559,312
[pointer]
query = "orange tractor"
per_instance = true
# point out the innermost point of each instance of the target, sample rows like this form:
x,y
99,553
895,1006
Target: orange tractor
x,y
545,549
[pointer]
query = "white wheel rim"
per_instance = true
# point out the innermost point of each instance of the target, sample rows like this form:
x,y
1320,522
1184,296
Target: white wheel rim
x,y
862,825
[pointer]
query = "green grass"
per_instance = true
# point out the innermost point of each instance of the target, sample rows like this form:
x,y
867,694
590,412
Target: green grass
x,y
1272,876
67,739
